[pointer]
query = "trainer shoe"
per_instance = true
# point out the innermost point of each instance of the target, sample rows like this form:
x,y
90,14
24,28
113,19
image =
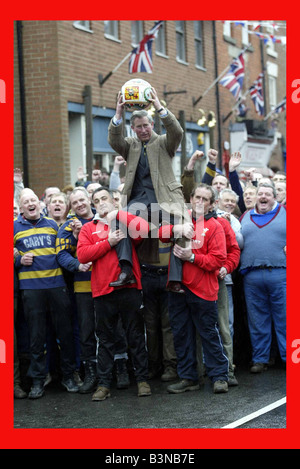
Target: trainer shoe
x,y
182,386
101,394
70,385
144,389
36,391
258,368
232,381
220,386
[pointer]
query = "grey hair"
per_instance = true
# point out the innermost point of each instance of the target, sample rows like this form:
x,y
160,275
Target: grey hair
x,y
139,115
231,192
271,186
79,188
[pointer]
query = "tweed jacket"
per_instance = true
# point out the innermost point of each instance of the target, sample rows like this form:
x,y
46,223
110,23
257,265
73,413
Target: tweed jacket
x,y
160,151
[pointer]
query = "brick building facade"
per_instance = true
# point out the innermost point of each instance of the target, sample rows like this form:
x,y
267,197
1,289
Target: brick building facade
x,y
56,60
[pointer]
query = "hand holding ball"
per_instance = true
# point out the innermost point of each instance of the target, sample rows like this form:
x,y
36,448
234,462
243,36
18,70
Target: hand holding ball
x,y
136,94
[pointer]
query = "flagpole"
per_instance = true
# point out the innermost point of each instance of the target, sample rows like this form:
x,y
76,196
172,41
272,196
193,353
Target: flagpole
x,y
236,105
273,110
268,115
149,35
211,86
217,79
103,80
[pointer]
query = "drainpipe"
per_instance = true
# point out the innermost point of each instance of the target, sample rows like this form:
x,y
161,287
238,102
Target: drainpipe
x,y
217,96
22,103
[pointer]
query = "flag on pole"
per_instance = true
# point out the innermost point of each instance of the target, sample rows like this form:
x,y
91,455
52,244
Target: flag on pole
x,y
280,107
234,78
256,93
141,56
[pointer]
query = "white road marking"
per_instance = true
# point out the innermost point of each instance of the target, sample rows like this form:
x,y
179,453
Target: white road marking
x,y
256,414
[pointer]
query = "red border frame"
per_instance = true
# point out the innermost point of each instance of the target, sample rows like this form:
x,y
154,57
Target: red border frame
x,y
142,438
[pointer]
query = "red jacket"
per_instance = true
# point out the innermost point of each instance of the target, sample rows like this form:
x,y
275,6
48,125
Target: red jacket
x,y
93,246
209,247
232,247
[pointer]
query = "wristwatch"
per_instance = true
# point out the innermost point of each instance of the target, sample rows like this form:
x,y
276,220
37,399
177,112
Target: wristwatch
x,y
192,258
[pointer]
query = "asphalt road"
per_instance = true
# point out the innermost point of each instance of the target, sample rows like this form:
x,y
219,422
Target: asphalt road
x,y
197,409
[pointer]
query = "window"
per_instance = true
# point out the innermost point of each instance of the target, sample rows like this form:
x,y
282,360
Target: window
x,y
272,70
137,32
245,34
83,25
160,41
272,92
227,28
270,47
228,32
198,40
180,41
111,30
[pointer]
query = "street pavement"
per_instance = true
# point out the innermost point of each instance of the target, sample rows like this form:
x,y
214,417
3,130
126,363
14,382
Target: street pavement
x,y
197,409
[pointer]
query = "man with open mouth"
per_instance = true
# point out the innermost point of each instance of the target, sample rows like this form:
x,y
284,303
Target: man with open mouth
x,y
263,265
43,289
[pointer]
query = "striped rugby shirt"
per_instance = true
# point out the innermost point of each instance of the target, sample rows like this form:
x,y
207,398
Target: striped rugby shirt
x,y
66,250
39,238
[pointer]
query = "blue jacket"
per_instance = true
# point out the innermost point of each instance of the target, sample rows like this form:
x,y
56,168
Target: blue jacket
x,y
66,250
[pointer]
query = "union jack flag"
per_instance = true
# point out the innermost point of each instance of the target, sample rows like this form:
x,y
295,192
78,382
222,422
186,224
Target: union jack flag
x,y
234,78
256,93
280,107
141,56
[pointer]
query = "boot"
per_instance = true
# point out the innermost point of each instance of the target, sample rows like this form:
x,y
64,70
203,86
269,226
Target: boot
x,y
122,374
90,379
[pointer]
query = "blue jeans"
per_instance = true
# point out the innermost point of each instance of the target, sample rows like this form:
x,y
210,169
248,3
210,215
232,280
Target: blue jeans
x,y
189,313
265,294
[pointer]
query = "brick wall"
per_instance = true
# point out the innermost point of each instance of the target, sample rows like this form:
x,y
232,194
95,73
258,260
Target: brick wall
x,y
60,60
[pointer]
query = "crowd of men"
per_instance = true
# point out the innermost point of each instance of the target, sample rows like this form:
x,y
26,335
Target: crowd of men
x,y
148,277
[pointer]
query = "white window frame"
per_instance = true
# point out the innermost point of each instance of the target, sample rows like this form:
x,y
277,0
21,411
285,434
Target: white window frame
x,y
83,26
245,34
137,32
199,44
227,28
272,92
160,41
113,33
270,46
272,70
180,32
